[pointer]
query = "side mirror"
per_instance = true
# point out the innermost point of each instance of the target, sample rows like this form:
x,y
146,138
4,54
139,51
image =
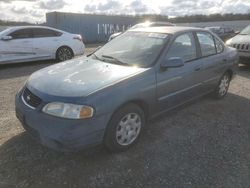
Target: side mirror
x,y
5,38
173,62
237,32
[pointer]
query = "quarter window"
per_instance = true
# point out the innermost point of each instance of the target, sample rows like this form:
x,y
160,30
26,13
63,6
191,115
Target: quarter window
x,y
21,34
207,45
219,45
183,47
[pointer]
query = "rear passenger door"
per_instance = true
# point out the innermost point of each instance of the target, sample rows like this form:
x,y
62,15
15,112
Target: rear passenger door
x,y
46,42
178,85
213,59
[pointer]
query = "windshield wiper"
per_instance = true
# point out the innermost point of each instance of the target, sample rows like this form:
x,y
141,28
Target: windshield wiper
x,y
96,57
115,59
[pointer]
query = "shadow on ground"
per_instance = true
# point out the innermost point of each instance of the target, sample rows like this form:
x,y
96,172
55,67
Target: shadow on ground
x,y
244,70
205,144
22,69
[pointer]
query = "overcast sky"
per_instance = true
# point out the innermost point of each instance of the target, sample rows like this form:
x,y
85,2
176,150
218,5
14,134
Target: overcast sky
x,y
34,10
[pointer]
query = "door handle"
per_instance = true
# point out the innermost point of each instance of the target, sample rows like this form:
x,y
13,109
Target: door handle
x,y
197,68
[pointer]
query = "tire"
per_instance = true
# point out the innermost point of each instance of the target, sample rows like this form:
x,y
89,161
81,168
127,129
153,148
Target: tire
x,y
124,128
64,53
222,88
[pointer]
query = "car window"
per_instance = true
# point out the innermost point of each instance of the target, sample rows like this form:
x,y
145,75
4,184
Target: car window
x,y
2,32
41,32
183,47
228,30
21,34
207,45
219,45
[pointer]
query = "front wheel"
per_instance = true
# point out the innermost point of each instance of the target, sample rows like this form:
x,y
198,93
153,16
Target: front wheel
x,y
64,53
124,128
222,88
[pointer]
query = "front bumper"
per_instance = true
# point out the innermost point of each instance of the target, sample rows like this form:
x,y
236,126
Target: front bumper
x,y
244,54
58,133
244,57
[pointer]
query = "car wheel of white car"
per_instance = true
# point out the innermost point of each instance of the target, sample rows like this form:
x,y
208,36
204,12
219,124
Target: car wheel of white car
x,y
64,53
124,128
223,86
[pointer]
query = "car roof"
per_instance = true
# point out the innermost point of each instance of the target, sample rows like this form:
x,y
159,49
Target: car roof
x,y
32,27
213,27
169,29
162,23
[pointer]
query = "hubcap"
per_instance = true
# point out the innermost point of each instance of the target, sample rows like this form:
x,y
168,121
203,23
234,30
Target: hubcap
x,y
128,129
224,84
64,54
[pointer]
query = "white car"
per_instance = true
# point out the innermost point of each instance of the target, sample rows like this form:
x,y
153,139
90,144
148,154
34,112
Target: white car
x,y
242,43
31,43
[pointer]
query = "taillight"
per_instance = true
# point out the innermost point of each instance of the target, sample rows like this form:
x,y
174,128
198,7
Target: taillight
x,y
78,37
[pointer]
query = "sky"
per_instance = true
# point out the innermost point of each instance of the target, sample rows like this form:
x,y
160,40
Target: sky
x,y
34,10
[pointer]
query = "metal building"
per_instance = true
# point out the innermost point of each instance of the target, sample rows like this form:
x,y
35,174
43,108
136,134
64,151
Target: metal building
x,y
93,27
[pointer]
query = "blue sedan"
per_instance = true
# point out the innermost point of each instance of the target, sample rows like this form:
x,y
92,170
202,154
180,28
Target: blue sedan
x,y
109,96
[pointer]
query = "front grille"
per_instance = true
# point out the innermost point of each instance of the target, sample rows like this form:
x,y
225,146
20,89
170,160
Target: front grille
x,y
30,99
242,47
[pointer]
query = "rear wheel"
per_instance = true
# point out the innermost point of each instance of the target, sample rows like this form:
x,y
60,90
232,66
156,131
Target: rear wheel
x,y
64,53
124,128
222,88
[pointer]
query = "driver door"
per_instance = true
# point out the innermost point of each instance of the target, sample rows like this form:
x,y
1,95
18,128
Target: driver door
x,y
178,85
20,47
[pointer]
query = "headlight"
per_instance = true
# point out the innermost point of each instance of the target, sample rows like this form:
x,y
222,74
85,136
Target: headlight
x,y
228,42
70,111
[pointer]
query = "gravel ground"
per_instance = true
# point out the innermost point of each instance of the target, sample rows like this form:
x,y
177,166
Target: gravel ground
x,y
202,144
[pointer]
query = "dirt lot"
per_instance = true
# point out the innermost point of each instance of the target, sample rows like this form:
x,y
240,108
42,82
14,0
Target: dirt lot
x,y
203,144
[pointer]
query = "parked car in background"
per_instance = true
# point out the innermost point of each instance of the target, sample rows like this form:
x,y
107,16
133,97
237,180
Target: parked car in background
x,y
224,33
31,43
108,96
143,25
242,43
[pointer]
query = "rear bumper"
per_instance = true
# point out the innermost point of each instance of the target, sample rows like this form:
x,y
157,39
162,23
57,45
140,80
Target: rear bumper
x,y
79,50
58,133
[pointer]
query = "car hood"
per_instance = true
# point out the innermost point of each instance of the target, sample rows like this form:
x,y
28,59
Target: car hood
x,y
116,34
238,39
79,77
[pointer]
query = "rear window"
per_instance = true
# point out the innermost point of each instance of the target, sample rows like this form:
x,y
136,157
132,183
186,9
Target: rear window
x,y
207,44
183,47
41,32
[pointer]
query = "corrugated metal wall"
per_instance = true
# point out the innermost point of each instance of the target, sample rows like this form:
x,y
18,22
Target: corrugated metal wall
x,y
94,28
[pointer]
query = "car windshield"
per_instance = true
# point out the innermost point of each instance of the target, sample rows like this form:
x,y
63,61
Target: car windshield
x,y
245,31
4,31
133,49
